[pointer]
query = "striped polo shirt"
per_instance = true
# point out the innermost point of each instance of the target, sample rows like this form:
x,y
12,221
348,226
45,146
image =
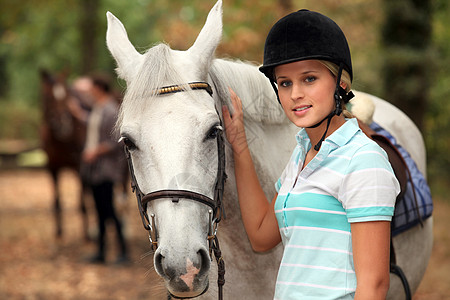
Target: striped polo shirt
x,y
349,180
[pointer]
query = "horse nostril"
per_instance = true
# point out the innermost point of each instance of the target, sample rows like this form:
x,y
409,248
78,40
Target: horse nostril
x,y
205,262
165,267
158,262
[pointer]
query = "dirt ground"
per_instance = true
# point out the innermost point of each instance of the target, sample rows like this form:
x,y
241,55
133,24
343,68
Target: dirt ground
x,y
33,265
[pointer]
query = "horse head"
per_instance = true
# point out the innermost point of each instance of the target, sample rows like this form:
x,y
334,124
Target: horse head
x,y
55,96
171,127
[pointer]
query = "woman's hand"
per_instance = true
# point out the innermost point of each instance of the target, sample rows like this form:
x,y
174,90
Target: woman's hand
x,y
234,125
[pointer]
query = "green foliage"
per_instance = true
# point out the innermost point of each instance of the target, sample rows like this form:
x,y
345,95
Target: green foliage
x,y
35,36
438,112
19,121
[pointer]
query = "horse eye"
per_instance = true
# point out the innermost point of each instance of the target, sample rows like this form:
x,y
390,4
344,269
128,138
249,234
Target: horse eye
x,y
128,143
213,132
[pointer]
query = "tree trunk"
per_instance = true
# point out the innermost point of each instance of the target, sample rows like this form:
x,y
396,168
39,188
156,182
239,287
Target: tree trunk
x,y
88,33
406,37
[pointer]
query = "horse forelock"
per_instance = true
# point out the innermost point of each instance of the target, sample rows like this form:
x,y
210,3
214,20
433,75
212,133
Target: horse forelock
x,y
155,71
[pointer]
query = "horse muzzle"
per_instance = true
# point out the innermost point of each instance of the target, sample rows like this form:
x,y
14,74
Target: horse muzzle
x,y
184,276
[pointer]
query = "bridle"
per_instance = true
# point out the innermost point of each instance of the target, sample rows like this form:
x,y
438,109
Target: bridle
x,y
215,213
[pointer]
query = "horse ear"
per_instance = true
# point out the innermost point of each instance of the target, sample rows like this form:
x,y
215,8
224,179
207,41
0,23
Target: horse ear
x,y
209,37
121,48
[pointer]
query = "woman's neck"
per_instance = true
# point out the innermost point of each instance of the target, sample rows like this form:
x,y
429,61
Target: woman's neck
x,y
315,134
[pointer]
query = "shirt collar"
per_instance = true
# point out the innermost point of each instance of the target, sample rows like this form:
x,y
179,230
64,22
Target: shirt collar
x,y
344,133
303,140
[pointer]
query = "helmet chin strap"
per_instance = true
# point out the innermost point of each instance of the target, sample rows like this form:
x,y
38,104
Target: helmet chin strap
x,y
328,118
339,95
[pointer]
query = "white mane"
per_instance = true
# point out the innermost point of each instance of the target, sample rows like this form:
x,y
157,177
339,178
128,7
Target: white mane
x,y
245,79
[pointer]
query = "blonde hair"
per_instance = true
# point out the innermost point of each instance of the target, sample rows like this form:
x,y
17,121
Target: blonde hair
x,y
345,78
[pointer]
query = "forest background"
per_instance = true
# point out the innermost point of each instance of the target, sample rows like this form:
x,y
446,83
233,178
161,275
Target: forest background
x,y
400,50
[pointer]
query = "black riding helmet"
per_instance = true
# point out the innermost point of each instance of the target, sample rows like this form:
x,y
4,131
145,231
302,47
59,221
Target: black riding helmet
x,y
305,35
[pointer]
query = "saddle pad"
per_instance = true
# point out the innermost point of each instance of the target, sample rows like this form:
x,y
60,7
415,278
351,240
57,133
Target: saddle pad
x,y
407,214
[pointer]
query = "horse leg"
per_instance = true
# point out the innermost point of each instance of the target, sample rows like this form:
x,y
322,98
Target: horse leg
x,y
83,211
57,203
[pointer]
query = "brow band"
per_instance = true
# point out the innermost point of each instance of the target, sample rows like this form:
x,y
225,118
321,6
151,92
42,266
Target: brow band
x,y
180,88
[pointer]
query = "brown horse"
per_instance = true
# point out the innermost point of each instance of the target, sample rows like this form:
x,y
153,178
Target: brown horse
x,y
62,136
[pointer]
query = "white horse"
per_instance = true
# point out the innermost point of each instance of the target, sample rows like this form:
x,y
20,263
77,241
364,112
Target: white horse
x,y
172,142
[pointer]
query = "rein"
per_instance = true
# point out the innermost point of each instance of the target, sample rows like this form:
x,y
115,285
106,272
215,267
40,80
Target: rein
x,y
215,213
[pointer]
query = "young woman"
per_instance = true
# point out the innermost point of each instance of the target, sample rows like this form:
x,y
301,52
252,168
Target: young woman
x,y
336,196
